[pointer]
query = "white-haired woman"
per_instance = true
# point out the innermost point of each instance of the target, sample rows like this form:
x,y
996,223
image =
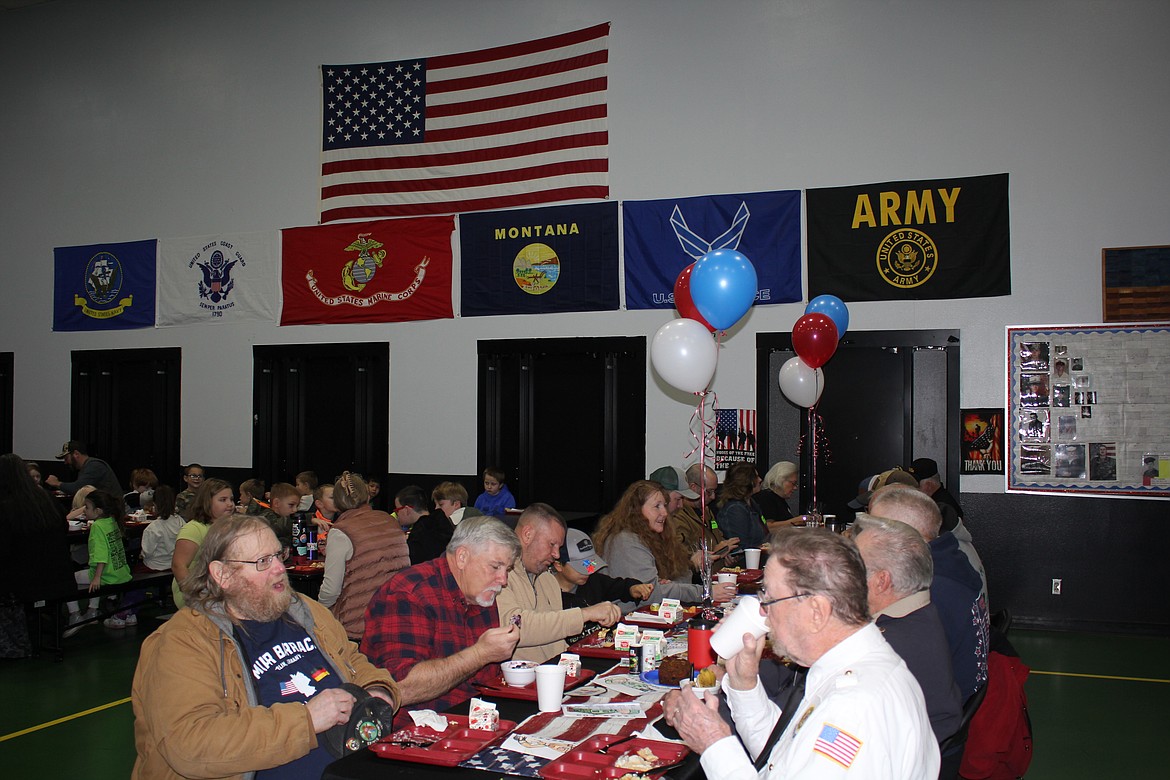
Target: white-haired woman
x,y
778,486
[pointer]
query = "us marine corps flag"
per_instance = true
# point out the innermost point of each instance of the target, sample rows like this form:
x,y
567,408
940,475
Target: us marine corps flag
x,y
910,240
390,270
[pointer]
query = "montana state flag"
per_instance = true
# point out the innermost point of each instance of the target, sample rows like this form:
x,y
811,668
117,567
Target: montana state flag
x,y
104,286
391,270
910,240
540,261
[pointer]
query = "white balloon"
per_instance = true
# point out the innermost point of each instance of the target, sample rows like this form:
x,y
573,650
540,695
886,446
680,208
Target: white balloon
x,y
684,354
800,383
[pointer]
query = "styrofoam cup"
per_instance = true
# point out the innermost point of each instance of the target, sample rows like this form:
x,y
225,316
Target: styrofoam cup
x,y
751,558
550,687
727,576
744,619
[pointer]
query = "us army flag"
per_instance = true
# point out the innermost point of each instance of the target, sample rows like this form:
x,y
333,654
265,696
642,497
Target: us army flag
x,y
217,278
910,240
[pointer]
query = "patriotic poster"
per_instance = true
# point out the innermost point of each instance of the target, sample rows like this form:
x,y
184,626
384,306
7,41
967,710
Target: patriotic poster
x,y
509,126
540,261
910,240
982,441
392,270
735,437
104,286
662,237
217,278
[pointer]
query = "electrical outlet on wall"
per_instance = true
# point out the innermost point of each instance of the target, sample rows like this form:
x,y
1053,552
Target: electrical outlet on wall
x,y
1055,587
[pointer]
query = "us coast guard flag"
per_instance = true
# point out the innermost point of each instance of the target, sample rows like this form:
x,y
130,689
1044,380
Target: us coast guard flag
x,y
104,286
910,240
217,278
540,261
662,237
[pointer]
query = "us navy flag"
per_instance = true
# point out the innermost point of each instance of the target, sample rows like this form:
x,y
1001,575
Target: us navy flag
x,y
665,236
540,261
104,286
910,240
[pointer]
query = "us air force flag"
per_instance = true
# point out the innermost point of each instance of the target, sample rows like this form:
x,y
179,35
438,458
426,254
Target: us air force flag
x,y
104,286
910,240
662,237
217,278
540,261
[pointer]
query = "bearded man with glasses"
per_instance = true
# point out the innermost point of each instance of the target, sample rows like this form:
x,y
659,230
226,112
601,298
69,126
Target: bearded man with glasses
x,y
247,676
857,712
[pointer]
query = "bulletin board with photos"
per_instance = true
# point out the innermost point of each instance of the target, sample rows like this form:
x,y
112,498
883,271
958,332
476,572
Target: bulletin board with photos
x,y
1089,410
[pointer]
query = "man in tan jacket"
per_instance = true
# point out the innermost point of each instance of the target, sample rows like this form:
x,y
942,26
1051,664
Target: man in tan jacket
x,y
532,591
247,676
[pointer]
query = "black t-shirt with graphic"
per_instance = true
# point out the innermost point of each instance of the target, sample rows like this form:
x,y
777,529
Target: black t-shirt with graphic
x,y
286,666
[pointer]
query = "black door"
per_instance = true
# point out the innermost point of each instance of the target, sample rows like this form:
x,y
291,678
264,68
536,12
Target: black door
x,y
125,407
564,418
321,408
889,397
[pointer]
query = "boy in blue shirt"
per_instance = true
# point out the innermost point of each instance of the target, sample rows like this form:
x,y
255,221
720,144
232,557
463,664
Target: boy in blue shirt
x,y
496,497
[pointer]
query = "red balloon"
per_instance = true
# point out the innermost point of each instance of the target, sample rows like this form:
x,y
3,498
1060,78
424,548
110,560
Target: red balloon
x,y
682,298
814,337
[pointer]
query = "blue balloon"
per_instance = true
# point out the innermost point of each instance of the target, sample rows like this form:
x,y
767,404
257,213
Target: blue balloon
x,y
723,287
832,307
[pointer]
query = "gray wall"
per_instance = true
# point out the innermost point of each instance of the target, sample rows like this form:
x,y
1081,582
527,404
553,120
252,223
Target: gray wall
x,y
129,120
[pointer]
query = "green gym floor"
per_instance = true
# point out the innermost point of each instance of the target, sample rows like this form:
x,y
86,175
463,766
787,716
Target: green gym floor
x,y
1099,705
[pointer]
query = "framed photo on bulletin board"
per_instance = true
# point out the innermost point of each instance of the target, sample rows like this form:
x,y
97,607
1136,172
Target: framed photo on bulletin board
x,y
1089,410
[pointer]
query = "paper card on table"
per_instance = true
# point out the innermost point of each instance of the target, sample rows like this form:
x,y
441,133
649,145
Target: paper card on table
x,y
535,745
627,710
628,684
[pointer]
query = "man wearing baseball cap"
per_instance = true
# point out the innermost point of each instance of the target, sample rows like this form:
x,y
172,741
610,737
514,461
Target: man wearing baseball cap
x,y
90,471
581,584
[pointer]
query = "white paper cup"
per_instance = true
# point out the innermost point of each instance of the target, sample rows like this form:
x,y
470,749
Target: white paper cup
x,y
728,576
550,687
751,558
744,619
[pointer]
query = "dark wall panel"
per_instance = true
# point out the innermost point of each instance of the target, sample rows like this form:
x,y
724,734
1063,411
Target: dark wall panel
x,y
1111,555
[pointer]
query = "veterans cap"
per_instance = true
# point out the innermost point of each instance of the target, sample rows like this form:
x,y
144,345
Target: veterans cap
x,y
864,491
578,552
71,446
895,477
673,479
924,468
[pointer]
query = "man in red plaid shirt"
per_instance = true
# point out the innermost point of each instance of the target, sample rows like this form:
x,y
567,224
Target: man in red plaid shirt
x,y
435,626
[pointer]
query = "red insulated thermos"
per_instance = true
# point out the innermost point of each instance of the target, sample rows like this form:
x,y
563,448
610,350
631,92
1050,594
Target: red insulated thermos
x,y
699,631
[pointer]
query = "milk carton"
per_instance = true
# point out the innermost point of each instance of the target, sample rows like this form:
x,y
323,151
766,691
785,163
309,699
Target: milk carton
x,y
483,716
670,610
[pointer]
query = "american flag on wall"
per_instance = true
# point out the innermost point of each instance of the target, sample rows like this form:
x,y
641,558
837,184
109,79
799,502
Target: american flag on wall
x,y
508,126
735,436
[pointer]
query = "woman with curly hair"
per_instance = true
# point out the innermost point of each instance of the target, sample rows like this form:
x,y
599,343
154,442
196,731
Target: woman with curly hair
x,y
736,511
637,539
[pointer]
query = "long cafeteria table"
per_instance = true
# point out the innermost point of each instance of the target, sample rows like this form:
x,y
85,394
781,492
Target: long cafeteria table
x,y
365,765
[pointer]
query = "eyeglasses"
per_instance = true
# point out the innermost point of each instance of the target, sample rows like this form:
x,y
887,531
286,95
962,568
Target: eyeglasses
x,y
194,476
264,561
767,602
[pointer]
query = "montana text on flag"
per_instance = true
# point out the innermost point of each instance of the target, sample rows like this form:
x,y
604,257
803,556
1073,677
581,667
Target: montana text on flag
x,y
104,286
540,261
217,278
662,237
910,240
838,745
390,270
508,126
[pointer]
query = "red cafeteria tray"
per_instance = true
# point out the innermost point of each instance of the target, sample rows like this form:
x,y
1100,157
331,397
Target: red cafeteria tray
x,y
451,747
584,762
501,690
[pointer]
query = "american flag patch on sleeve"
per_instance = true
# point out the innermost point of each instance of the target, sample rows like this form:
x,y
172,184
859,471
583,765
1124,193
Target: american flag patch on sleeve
x,y
840,746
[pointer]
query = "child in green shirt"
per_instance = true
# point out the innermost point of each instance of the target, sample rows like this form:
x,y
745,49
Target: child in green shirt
x,y
107,554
